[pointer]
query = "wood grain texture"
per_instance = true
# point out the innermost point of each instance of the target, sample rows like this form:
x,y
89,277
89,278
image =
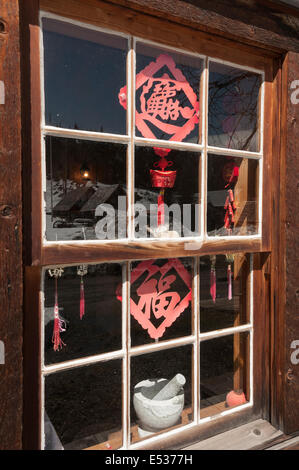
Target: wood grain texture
x,y
245,437
72,253
31,133
261,23
291,254
158,28
11,289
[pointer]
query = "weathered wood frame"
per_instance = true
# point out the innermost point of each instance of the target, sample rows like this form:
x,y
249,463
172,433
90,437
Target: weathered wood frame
x,y
265,278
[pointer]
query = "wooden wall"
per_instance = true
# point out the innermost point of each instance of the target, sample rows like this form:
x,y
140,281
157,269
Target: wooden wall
x,y
11,278
291,251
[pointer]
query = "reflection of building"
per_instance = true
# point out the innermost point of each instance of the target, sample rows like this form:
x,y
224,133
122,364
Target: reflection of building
x,y
82,202
70,205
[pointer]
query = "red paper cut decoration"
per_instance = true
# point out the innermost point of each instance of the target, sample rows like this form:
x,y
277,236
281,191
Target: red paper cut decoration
x,y
158,101
156,298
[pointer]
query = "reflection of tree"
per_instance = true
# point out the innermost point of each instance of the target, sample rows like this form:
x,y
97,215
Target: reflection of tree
x,y
233,109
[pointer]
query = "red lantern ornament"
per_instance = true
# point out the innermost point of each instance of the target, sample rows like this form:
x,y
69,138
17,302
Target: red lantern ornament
x,y
162,179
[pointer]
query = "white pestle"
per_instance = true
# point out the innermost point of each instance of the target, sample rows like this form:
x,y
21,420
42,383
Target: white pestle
x,y
171,389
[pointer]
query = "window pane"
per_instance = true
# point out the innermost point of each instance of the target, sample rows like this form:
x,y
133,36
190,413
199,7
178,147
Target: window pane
x,y
224,373
224,291
90,309
150,374
167,203
161,300
232,196
234,108
85,190
168,95
84,70
83,407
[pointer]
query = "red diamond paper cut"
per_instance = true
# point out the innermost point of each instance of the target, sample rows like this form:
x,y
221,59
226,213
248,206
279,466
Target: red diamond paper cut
x,y
155,296
162,105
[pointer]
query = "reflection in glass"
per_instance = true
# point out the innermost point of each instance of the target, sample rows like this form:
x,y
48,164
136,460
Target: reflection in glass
x,y
99,329
234,108
82,177
224,291
156,404
84,70
167,95
232,196
181,198
161,300
224,373
83,408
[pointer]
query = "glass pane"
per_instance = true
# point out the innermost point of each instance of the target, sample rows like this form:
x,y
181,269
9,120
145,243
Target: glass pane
x,y
156,404
234,108
232,196
83,408
224,373
85,190
224,291
84,70
167,202
89,308
168,95
161,300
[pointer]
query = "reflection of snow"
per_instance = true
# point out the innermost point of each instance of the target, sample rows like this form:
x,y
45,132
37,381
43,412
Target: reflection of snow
x,y
81,228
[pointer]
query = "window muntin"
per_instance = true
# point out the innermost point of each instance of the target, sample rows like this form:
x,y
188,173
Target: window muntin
x,y
199,73
196,338
184,348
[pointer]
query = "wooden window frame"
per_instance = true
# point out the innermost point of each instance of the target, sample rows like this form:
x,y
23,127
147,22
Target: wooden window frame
x,y
39,255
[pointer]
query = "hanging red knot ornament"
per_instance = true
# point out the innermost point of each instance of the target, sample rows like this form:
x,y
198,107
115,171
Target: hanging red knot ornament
x,y
213,278
230,175
59,323
82,271
162,179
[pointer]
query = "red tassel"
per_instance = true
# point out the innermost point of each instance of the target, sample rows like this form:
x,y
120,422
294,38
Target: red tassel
x,y
59,324
229,280
213,284
161,213
82,299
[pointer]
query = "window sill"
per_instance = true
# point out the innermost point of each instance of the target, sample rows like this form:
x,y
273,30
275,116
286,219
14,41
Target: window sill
x,y
256,434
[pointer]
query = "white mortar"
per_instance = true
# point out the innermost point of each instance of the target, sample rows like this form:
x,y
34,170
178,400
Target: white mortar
x,y
155,415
